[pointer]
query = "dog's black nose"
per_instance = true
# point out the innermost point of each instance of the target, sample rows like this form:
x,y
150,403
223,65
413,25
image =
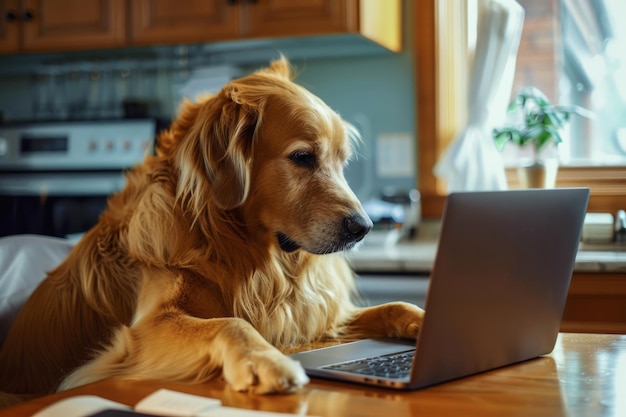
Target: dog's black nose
x,y
356,227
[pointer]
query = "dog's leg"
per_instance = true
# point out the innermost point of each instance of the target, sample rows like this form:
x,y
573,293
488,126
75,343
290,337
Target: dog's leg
x,y
250,363
397,319
175,346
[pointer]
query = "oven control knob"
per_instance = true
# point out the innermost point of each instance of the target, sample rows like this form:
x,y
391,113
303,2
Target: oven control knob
x,y
109,145
92,145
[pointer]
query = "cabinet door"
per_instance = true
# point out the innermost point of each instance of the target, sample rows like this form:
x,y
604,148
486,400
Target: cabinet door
x,y
73,24
299,17
188,21
9,26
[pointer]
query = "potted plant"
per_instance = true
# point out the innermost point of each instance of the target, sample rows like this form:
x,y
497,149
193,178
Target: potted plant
x,y
539,126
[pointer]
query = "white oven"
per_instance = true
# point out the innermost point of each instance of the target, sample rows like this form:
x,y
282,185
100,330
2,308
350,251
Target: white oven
x,y
55,177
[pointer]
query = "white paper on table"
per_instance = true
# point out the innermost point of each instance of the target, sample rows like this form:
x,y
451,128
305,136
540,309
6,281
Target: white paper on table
x,y
80,406
164,402
169,403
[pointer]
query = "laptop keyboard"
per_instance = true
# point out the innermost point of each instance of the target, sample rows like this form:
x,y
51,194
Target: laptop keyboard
x,y
395,366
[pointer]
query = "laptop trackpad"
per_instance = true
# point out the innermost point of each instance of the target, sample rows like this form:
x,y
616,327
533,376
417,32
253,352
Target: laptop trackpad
x,y
351,351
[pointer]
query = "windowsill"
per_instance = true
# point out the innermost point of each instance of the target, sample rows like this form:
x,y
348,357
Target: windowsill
x,y
382,252
513,164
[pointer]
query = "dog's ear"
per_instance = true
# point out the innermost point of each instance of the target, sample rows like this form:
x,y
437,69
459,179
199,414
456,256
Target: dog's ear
x,y
234,131
230,153
213,152
223,134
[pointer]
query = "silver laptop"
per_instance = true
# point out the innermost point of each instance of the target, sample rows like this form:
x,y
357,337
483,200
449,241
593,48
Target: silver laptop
x,y
496,295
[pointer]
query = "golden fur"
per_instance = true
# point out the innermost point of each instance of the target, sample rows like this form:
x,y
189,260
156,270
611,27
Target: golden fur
x,y
184,277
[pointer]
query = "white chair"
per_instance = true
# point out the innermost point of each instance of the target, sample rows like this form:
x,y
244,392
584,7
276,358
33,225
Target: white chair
x,y
24,262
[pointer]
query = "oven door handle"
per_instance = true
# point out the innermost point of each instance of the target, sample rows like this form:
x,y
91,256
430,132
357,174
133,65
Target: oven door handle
x,y
61,184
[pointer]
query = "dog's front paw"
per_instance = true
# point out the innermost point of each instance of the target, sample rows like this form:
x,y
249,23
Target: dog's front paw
x,y
264,372
404,319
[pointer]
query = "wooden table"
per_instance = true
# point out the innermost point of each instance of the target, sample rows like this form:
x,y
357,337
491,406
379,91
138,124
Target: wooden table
x,y
584,376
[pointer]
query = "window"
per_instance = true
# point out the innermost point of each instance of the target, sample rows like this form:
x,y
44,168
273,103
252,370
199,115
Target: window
x,y
575,51
441,61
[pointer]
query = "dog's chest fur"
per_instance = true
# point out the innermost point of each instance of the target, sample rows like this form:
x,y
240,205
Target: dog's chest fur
x,y
289,301
290,309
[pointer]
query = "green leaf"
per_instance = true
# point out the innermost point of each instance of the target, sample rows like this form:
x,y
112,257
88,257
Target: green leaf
x,y
513,106
501,140
542,140
556,117
532,132
556,135
541,120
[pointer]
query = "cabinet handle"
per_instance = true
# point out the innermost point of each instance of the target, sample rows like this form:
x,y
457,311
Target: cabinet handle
x,y
10,16
28,15
231,2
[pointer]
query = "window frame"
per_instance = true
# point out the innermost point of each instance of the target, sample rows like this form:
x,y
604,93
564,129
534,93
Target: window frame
x,y
439,113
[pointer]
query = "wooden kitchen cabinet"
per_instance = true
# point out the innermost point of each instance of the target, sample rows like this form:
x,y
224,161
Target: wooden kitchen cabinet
x,y
272,18
596,303
54,25
9,26
165,22
73,24
61,25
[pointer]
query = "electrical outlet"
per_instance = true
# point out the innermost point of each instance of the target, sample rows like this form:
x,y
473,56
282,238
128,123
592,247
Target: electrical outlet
x,y
395,156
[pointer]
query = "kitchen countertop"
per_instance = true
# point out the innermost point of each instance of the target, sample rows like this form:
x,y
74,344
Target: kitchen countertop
x,y
387,251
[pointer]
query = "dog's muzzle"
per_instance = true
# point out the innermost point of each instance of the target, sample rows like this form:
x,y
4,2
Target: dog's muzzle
x,y
353,230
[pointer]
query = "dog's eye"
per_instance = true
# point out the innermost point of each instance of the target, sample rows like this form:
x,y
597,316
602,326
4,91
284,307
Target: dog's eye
x,y
303,159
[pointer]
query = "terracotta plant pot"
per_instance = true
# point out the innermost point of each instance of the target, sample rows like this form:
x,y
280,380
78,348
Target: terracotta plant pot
x,y
538,175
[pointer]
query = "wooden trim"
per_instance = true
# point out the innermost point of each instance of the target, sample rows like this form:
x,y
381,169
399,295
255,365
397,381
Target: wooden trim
x,y
453,69
380,21
572,326
607,184
433,94
442,61
603,180
426,103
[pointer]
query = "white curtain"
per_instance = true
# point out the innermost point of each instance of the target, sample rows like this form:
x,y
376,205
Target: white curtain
x,y
472,162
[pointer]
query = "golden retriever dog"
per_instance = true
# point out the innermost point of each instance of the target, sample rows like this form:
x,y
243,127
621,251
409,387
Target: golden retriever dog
x,y
223,251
